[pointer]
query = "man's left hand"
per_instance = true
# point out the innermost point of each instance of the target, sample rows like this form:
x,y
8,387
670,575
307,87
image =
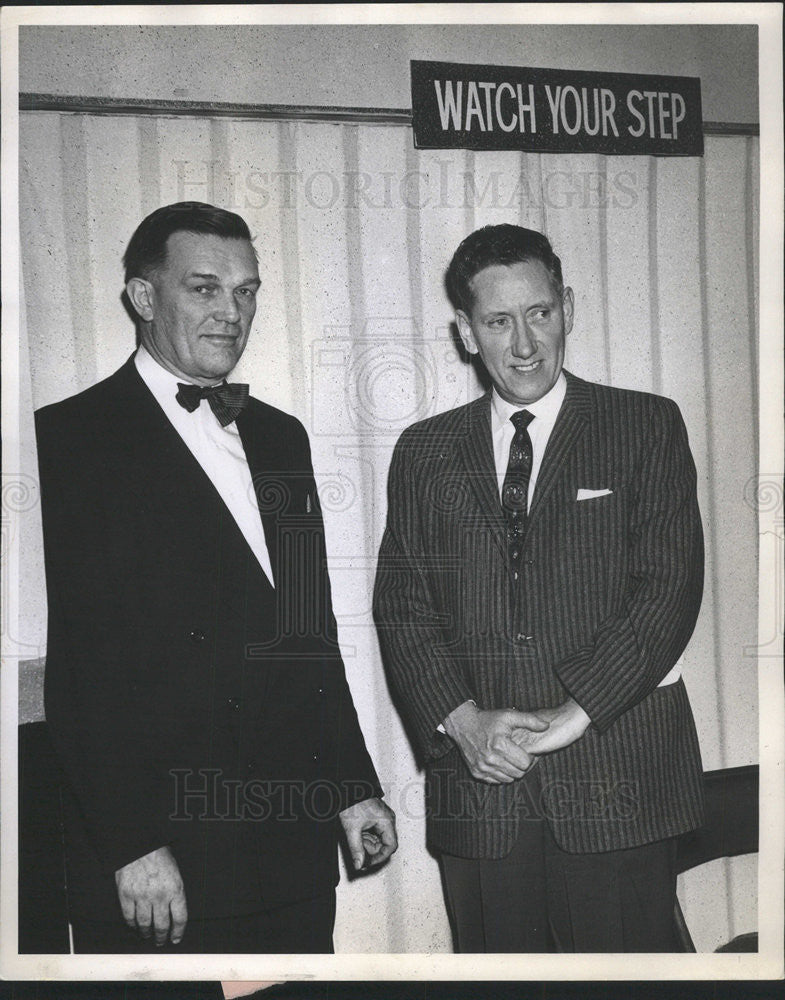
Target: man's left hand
x,y
568,722
370,829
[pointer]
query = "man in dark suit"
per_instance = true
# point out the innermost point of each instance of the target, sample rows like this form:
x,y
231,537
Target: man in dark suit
x,y
194,686
539,578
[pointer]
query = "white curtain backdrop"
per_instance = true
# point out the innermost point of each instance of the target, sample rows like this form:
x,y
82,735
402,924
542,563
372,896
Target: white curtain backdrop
x,y
354,229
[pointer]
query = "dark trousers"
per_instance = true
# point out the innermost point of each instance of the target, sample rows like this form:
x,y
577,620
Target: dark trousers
x,y
305,927
540,898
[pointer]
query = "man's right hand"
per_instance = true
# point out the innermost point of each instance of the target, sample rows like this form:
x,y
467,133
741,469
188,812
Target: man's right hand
x,y
152,896
484,739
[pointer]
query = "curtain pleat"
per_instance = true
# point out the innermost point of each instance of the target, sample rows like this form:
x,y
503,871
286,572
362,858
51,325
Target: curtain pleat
x,y
354,229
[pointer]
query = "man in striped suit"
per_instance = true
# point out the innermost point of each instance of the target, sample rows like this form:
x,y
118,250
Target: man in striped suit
x,y
539,578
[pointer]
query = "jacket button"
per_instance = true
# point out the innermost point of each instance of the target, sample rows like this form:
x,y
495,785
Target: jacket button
x,y
520,637
233,703
251,766
196,636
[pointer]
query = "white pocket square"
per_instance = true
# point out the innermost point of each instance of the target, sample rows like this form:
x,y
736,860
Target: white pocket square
x,y
591,494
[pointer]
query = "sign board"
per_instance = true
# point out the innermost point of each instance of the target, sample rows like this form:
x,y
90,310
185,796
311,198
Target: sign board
x,y
463,106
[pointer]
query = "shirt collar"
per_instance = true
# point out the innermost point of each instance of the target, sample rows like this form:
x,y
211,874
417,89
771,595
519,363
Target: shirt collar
x,y
159,379
546,408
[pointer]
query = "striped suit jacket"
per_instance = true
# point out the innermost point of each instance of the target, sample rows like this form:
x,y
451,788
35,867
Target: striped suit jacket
x,y
607,600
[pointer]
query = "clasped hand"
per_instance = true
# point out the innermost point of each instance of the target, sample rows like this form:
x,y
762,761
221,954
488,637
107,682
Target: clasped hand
x,y
566,723
501,745
486,740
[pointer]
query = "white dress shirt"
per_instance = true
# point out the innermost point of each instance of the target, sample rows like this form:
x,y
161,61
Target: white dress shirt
x,y
219,451
545,412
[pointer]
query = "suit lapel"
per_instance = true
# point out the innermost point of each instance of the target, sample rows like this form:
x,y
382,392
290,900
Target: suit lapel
x,y
569,426
153,444
175,481
264,460
476,455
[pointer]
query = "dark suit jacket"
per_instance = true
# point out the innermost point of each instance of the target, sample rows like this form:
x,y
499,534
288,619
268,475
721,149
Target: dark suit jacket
x,y
608,597
191,704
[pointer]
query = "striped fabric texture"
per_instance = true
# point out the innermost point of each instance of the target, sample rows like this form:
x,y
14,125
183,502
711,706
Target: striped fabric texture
x,y
608,595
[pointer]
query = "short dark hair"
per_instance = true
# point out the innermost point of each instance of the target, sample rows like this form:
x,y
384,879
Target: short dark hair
x,y
146,249
504,244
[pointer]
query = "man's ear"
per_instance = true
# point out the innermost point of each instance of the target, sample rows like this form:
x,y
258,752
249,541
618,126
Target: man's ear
x,y
568,300
140,295
466,332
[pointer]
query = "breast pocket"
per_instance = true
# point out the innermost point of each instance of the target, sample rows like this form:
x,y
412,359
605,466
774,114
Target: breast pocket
x,y
590,552
598,521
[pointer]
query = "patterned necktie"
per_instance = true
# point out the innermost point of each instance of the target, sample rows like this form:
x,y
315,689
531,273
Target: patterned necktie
x,y
226,401
516,484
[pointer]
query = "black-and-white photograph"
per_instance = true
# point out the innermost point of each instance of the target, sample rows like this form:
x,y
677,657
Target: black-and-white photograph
x,y
392,499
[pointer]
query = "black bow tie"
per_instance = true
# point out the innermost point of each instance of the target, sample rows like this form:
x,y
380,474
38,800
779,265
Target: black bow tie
x,y
226,401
